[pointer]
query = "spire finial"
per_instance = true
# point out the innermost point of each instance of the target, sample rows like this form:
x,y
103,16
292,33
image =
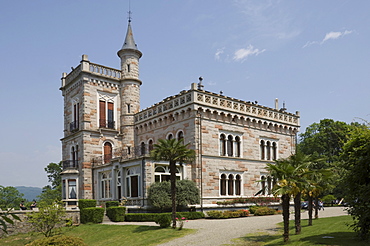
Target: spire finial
x,y
129,11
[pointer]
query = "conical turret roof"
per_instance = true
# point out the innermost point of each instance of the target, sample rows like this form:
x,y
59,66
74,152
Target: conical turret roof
x,y
129,40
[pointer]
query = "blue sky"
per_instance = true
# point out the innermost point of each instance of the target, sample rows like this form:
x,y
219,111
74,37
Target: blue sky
x,y
311,54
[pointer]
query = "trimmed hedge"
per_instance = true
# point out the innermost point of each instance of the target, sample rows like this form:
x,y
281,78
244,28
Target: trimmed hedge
x,y
111,204
86,203
91,215
253,209
152,217
116,214
264,211
216,214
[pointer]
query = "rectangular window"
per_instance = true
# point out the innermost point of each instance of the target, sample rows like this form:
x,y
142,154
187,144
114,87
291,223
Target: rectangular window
x,y
72,194
102,117
110,116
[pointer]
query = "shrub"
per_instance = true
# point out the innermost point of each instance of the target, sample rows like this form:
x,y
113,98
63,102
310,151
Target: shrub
x,y
243,212
92,215
116,214
191,215
253,209
159,194
231,214
264,211
86,203
328,199
48,219
111,204
59,240
164,220
215,214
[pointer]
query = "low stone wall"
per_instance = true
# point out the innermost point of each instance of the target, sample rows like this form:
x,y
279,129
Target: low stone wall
x,y
24,227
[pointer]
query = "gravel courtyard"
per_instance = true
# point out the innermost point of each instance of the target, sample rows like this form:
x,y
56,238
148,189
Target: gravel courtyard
x,y
222,231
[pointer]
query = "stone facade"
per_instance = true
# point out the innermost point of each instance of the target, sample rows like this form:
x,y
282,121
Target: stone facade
x,y
107,138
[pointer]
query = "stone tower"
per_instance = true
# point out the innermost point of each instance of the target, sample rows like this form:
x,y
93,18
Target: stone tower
x,y
130,87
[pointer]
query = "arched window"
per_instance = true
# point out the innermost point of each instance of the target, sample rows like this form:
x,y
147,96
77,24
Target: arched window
x,y
162,173
274,151
150,145
180,136
119,184
230,145
105,180
132,184
262,149
237,146
170,136
222,145
142,148
268,150
230,183
237,185
269,183
263,185
107,152
223,185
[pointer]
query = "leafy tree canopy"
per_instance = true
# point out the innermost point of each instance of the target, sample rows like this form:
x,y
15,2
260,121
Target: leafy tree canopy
x,y
53,192
356,181
10,197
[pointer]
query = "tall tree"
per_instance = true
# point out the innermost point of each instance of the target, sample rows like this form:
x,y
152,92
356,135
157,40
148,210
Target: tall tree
x,y
173,151
53,192
356,162
10,197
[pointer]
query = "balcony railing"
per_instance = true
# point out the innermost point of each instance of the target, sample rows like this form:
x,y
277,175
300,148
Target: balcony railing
x,y
122,154
73,126
70,164
106,124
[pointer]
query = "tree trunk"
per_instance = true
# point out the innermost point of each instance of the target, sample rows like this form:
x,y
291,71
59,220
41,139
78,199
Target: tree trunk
x,y
173,191
297,213
285,203
310,210
316,207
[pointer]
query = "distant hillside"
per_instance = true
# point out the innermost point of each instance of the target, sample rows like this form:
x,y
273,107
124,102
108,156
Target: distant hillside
x,y
30,193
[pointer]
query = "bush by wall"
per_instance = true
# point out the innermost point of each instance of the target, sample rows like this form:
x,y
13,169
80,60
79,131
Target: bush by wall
x,y
86,203
58,240
227,214
252,209
116,214
91,215
264,211
111,204
164,220
151,217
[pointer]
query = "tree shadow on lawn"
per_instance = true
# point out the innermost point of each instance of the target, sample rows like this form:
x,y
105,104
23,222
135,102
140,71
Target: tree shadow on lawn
x,y
335,238
143,228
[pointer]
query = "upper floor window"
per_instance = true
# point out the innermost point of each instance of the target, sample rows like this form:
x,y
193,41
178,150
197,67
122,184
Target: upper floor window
x,y
74,125
170,136
107,152
180,136
268,150
74,156
150,144
106,114
230,145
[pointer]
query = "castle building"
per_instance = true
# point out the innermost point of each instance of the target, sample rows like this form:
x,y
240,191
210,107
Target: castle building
x,y
107,137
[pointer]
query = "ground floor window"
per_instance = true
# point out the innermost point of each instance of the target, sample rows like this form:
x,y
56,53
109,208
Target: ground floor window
x,y
266,185
105,185
162,173
69,189
230,184
132,183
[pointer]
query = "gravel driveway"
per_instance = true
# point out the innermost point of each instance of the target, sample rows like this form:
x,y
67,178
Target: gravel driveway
x,y
221,231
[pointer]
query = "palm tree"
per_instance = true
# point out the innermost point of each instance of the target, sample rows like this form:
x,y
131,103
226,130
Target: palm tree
x,y
173,151
290,174
283,172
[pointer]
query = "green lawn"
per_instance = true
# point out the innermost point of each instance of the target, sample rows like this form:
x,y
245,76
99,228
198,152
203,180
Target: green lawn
x,y
325,231
111,235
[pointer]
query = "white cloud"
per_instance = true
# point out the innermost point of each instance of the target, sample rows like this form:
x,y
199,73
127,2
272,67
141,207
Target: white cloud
x,y
242,54
218,53
328,36
335,35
